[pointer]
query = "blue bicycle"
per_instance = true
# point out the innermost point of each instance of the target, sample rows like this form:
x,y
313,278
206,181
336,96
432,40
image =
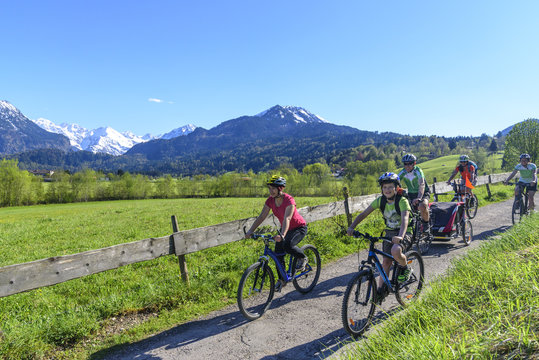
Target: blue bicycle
x,y
257,285
362,295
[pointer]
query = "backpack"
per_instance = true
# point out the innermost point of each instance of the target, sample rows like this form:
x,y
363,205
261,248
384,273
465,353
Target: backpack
x,y
470,162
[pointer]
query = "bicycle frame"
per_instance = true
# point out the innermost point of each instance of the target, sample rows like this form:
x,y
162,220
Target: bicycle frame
x,y
268,253
522,192
373,259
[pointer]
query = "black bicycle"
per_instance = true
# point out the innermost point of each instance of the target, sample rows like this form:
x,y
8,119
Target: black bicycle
x,y
520,205
257,285
470,199
362,295
421,238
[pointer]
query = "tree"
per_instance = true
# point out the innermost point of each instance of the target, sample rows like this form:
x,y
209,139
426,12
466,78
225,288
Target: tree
x,y
493,147
523,138
316,172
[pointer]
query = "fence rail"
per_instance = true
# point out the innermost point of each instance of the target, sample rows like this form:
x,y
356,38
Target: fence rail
x,y
35,274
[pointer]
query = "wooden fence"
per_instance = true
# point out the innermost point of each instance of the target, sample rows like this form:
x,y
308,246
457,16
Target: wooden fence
x,y
32,275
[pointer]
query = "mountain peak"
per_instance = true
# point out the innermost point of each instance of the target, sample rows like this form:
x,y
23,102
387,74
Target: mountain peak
x,y
18,133
298,114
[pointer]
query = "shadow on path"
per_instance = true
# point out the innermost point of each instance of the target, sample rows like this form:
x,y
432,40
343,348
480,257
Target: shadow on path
x,y
196,330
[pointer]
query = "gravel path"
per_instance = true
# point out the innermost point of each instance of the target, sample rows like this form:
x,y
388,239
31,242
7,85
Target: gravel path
x,y
297,326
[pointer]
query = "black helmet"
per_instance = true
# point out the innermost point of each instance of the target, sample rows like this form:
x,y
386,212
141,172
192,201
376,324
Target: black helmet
x,y
389,177
409,158
525,156
276,180
464,158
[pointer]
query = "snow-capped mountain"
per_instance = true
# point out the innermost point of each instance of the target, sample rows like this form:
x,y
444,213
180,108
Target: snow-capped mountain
x,y
299,114
18,133
104,139
184,130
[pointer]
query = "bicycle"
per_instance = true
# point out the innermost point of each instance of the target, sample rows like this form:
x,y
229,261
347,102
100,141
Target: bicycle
x,y
257,285
470,200
420,238
362,295
520,205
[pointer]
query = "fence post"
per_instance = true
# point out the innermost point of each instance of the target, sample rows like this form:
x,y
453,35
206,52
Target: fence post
x,y
488,187
181,258
434,189
346,206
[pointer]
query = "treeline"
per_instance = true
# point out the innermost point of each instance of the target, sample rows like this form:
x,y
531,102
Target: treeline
x,y
19,187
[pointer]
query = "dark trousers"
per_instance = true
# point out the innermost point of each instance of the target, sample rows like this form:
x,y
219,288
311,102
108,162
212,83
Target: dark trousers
x,y
289,244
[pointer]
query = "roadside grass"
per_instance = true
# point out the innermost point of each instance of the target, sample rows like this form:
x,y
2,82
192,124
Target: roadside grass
x,y
74,319
487,307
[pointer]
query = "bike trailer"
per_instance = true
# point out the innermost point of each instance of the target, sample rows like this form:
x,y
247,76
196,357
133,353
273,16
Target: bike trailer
x,y
445,217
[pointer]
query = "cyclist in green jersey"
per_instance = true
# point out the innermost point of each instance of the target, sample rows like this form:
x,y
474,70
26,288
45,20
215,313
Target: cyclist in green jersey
x,y
396,225
528,178
418,191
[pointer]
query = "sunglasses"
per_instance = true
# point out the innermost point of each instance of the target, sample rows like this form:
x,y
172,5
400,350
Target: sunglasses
x,y
408,163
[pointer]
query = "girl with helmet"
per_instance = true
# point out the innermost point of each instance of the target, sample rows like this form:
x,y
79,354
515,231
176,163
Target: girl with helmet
x,y
396,212
293,226
528,177
416,186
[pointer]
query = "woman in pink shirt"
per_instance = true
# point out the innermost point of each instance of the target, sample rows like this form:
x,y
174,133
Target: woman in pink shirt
x,y
293,226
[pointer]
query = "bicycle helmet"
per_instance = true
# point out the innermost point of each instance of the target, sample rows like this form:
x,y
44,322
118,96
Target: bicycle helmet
x,y
525,156
409,158
389,177
276,180
464,158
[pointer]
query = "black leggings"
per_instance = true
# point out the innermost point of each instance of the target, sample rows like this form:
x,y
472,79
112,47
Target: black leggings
x,y
289,244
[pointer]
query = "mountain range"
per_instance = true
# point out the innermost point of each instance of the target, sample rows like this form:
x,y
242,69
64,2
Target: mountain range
x,y
262,142
105,139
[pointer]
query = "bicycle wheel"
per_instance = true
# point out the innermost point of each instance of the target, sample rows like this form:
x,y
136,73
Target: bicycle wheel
x,y
409,290
467,232
256,290
515,213
472,203
306,281
358,303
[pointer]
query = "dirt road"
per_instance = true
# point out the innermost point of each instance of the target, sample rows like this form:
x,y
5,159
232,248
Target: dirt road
x,y
297,326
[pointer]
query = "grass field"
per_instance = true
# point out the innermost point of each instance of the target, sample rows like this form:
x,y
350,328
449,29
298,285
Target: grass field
x,y
75,318
486,308
83,316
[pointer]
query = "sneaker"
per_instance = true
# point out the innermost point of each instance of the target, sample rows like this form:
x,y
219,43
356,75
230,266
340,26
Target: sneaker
x,y
301,263
404,273
279,285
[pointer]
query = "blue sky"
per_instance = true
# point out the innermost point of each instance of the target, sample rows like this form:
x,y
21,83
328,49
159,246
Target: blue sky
x,y
413,67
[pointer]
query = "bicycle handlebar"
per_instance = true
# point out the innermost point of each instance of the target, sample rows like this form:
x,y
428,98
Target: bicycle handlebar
x,y
369,237
266,237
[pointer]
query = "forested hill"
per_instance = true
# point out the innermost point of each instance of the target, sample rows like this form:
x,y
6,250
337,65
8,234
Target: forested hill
x,y
280,135
278,125
261,142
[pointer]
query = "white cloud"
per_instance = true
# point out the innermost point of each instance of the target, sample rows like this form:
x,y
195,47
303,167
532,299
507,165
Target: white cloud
x,y
155,100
